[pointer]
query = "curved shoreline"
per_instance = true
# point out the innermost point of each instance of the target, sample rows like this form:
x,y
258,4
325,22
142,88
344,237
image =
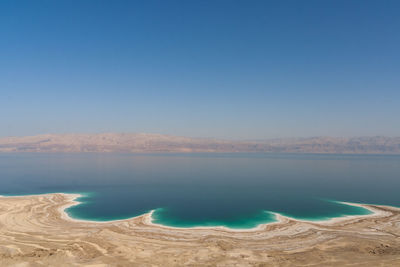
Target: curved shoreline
x,y
279,218
36,230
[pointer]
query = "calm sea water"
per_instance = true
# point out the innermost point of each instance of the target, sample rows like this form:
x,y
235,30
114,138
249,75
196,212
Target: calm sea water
x,y
234,190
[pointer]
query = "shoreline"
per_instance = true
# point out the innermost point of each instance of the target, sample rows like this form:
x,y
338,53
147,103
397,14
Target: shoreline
x,y
37,230
149,220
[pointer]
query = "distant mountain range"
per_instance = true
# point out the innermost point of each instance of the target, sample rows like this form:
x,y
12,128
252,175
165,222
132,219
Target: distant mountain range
x,y
154,143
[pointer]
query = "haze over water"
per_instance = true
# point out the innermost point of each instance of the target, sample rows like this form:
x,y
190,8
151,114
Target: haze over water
x,y
234,190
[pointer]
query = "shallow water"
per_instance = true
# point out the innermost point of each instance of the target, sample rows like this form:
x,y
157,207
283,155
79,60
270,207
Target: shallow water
x,y
186,190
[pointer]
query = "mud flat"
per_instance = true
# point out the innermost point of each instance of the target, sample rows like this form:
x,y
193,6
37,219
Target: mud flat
x,y
35,231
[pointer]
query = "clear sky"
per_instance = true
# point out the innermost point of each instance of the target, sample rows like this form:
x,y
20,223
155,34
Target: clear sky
x,y
226,69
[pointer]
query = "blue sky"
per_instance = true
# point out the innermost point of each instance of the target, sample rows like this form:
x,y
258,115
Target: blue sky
x,y
226,69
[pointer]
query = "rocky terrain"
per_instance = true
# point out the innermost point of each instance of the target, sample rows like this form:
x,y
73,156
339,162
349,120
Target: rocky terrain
x,y
153,143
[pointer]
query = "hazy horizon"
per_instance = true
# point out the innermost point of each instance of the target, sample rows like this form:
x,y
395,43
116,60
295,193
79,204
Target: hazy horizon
x,y
234,70
204,137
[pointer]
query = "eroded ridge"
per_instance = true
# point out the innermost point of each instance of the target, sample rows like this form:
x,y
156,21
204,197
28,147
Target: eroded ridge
x,y
34,231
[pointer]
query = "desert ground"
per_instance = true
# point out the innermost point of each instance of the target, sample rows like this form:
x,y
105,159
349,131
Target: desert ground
x,y
34,231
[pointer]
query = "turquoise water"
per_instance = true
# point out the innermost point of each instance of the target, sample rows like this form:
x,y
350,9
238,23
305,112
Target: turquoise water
x,y
162,216
189,190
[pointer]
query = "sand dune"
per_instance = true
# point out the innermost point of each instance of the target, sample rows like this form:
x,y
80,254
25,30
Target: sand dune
x,y
35,232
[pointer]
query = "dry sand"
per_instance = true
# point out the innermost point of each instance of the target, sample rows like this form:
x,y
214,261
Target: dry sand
x,y
34,231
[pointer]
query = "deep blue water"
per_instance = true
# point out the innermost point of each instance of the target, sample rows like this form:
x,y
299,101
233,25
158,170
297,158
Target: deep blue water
x,y
234,190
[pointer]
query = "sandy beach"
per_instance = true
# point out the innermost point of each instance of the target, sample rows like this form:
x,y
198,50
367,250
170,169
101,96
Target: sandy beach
x,y
35,231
